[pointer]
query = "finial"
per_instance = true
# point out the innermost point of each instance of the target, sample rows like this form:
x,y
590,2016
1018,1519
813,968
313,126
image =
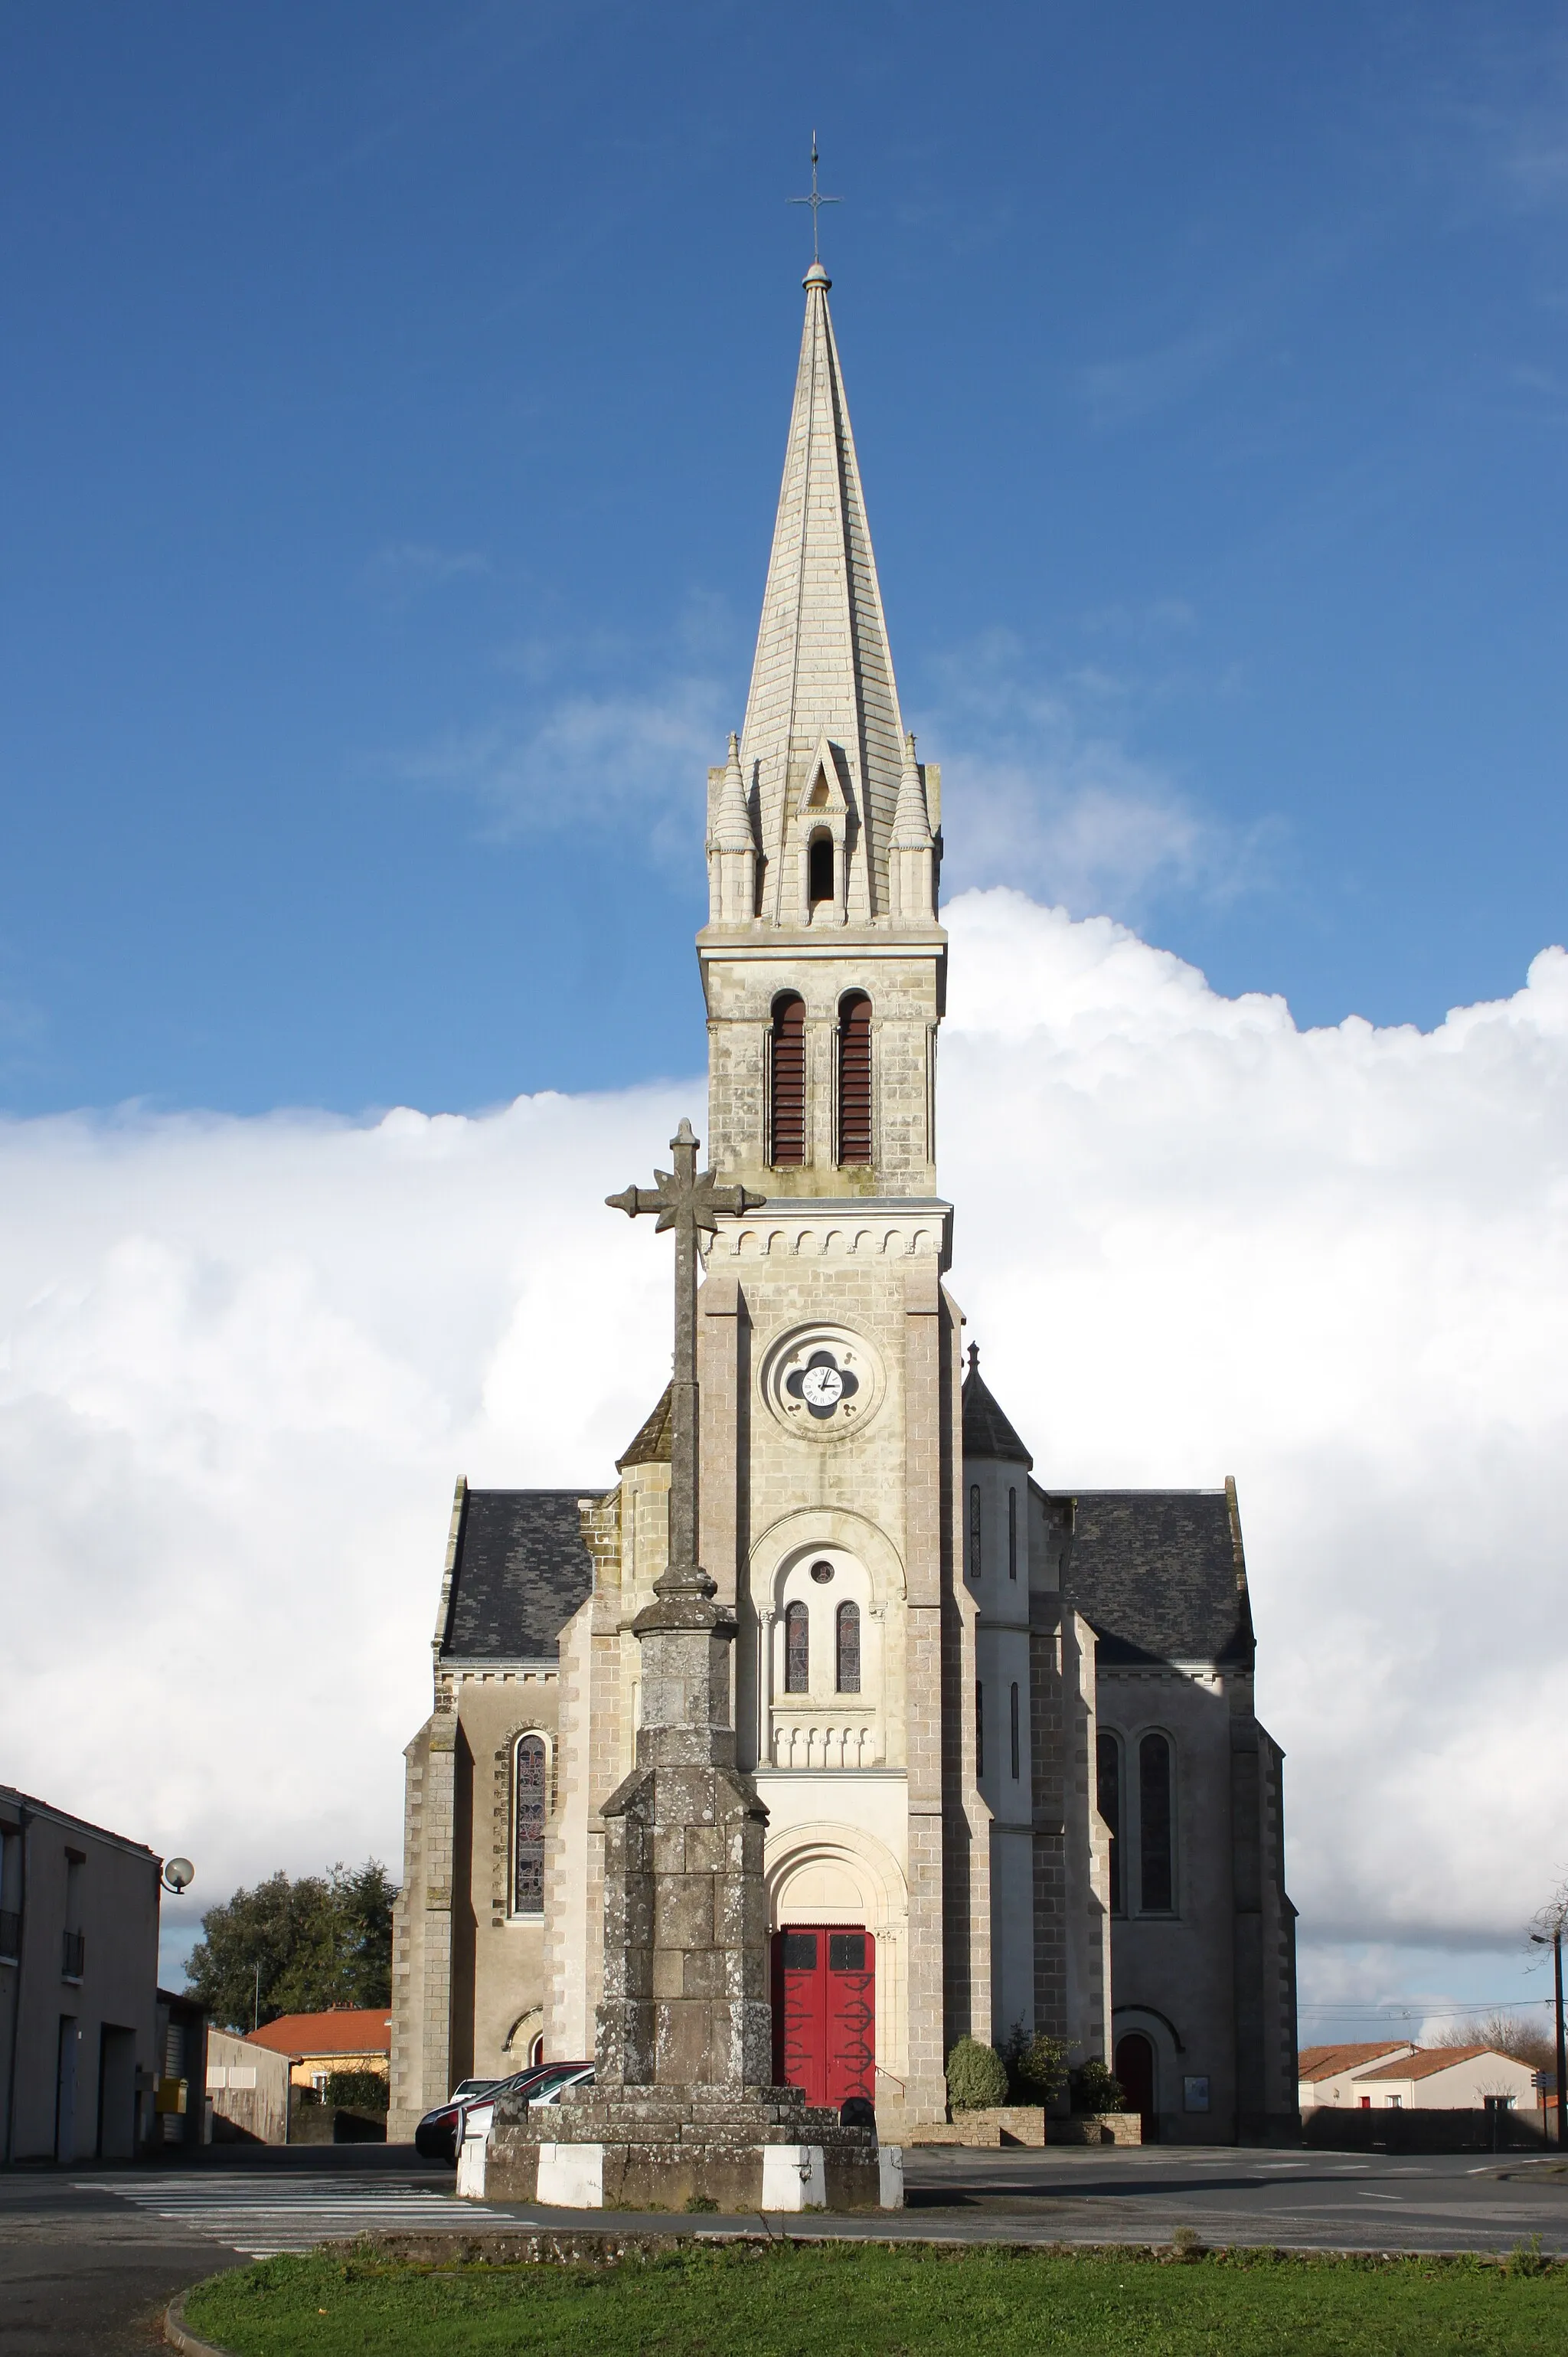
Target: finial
x,y
974,1358
816,275
685,1134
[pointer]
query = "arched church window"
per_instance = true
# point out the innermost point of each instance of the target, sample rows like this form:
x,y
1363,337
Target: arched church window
x,y
847,1626
797,1650
1108,1797
1157,1882
530,1769
787,1127
1011,1533
974,1530
854,1078
1013,1729
819,869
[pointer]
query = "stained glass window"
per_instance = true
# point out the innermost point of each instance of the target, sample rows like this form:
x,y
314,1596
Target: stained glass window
x,y
529,1798
797,1650
1157,1882
848,1629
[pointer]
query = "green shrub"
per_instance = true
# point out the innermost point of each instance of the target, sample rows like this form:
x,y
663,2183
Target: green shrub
x,y
1095,2089
977,2077
1036,2067
356,2091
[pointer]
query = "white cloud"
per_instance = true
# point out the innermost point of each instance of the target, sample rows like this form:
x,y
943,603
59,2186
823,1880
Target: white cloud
x,y
602,761
243,1360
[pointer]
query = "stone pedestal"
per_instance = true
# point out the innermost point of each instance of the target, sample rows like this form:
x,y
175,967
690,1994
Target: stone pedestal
x,y
670,2148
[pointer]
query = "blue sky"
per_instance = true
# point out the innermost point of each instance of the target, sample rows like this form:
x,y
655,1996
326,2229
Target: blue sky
x,y
392,417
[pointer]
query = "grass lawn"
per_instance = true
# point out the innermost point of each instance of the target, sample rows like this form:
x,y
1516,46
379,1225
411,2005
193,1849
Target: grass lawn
x,y
787,2301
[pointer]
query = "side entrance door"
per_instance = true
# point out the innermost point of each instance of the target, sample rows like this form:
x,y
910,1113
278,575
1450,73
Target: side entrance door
x,y
824,2012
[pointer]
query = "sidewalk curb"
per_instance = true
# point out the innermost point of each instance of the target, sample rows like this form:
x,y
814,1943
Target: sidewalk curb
x,y
179,2335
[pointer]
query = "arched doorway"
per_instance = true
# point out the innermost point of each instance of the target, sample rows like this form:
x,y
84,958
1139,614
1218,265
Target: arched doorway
x,y
1135,2069
824,2011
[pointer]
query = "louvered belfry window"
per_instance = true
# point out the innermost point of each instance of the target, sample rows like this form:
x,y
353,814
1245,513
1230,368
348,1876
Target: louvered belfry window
x,y
529,1808
789,1109
854,1078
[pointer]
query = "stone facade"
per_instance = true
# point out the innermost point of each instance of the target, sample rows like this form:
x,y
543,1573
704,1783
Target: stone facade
x,y
933,1652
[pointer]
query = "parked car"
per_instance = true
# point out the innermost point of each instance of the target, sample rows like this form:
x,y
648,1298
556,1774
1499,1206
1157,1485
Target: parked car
x,y
440,2132
549,2084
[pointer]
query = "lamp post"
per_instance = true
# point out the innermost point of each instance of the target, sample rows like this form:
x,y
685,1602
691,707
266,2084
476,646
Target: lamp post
x,y
1554,1940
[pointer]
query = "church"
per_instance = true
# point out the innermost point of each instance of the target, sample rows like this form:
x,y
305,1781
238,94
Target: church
x,y
1004,1732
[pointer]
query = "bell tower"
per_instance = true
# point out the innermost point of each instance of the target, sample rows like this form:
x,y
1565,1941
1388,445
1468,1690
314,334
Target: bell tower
x,y
829,1361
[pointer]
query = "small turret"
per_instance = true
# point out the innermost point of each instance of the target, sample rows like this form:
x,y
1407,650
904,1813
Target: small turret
x,y
912,860
732,846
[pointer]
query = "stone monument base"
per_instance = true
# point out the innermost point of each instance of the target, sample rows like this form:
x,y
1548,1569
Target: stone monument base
x,y
678,2148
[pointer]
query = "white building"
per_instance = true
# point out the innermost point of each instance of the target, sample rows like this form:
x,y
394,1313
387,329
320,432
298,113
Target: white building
x,y
1004,1731
1448,2079
1327,2074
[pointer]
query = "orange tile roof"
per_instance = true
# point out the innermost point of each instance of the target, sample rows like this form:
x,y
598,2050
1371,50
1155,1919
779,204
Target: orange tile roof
x,y
1432,2058
347,2029
1326,2062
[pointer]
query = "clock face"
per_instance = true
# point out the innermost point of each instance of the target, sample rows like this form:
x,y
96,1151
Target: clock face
x,y
821,1382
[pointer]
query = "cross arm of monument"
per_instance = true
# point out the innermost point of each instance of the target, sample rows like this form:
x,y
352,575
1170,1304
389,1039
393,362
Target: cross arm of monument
x,y
686,1197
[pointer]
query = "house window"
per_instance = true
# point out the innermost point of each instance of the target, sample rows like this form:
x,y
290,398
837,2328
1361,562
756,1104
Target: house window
x,y
847,1625
788,1129
529,1772
819,869
854,1078
1108,1798
974,1530
797,1650
1013,1727
1011,1533
979,1728
1156,1884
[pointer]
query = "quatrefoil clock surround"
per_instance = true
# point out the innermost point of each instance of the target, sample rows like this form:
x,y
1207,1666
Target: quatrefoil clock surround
x,y
823,1382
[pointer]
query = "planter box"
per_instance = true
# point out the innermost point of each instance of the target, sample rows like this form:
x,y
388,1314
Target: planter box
x,y
987,2131
1097,2127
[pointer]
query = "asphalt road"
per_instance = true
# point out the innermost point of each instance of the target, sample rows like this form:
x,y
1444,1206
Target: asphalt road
x,y
90,2258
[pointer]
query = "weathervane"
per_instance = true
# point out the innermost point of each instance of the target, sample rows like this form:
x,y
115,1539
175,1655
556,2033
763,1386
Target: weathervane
x,y
816,201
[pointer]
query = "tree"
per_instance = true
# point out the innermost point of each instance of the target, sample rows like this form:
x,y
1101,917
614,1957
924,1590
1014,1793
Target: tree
x,y
1505,2033
320,1941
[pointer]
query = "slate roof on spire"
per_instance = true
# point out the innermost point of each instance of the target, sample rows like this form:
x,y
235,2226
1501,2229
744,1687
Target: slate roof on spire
x,y
823,666
986,1431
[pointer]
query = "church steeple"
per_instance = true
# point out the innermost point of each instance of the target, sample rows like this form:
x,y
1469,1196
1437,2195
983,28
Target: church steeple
x,y
822,717
823,963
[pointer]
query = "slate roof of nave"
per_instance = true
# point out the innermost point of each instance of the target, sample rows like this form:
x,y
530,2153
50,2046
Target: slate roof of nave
x,y
519,1573
1158,1574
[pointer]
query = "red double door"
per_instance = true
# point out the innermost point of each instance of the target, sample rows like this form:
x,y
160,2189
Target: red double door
x,y
824,2012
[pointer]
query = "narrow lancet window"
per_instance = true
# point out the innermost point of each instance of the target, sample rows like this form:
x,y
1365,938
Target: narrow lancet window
x,y
787,1142
1157,1881
1107,1795
529,1765
1013,1729
979,1728
847,1627
1011,1533
974,1530
819,869
854,1078
797,1650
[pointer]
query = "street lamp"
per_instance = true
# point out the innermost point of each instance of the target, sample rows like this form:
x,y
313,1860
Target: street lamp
x,y
1554,1940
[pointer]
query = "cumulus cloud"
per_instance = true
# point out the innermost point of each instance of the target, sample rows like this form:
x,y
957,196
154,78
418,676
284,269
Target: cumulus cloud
x,y
243,1361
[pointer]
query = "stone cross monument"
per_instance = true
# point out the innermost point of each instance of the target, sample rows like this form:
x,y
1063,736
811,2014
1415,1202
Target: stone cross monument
x,y
682,2109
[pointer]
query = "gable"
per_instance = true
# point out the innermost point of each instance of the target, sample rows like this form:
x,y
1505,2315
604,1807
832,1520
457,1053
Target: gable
x,y
519,1571
1157,1574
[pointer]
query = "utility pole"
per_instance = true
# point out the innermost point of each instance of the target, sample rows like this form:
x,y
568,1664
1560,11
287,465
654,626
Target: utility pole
x,y
1553,1918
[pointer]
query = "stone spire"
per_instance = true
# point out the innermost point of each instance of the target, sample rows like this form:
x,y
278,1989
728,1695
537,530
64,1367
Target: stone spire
x,y
911,882
821,686
731,848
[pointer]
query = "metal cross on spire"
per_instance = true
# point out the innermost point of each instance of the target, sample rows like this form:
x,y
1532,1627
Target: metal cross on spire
x,y
815,200
687,1202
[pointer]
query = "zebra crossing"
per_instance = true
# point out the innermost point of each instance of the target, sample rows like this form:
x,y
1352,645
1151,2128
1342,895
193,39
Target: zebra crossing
x,y
262,2215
